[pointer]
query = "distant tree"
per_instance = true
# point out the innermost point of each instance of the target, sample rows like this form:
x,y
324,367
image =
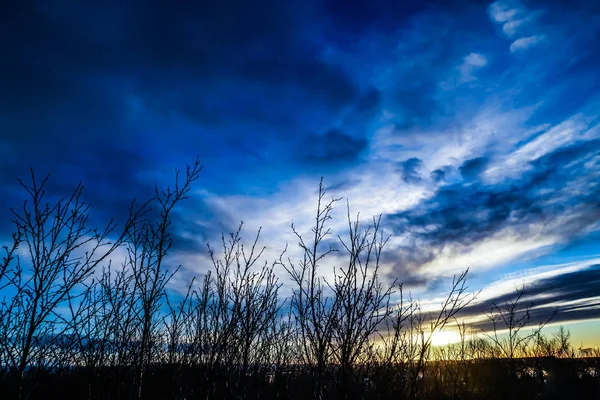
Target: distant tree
x,y
424,326
513,316
563,341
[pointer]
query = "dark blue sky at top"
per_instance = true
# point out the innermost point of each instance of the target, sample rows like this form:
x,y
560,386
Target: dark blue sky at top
x,y
472,126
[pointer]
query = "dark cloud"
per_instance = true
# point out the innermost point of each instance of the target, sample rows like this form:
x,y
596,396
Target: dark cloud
x,y
410,170
438,175
111,78
155,46
341,185
190,234
109,178
404,272
441,174
563,298
332,147
567,297
469,212
471,169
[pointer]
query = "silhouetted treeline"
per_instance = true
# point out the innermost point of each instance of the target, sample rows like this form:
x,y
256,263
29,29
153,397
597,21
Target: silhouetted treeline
x,y
85,313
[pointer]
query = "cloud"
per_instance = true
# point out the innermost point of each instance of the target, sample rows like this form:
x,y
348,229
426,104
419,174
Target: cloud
x,y
516,21
567,292
453,217
499,249
410,170
471,62
475,60
510,28
570,133
504,11
512,15
525,43
332,147
479,223
471,169
439,175
181,80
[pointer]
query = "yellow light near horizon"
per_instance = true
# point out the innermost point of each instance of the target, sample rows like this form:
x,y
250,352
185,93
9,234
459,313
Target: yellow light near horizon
x,y
444,338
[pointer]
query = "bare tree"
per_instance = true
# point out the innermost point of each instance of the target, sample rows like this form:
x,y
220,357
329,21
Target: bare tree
x,y
122,320
337,321
363,301
313,310
8,258
62,253
148,244
8,273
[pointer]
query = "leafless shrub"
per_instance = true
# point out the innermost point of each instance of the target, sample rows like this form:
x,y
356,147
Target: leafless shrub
x,y
62,253
148,244
314,311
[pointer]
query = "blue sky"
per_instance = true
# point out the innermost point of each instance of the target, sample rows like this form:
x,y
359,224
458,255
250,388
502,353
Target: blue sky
x,y
472,127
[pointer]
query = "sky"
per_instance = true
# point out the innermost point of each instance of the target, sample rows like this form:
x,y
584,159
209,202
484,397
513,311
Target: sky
x,y
472,127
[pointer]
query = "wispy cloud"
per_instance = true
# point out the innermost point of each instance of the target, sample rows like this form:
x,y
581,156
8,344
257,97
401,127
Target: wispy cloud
x,y
568,292
525,42
505,11
471,62
507,245
516,21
